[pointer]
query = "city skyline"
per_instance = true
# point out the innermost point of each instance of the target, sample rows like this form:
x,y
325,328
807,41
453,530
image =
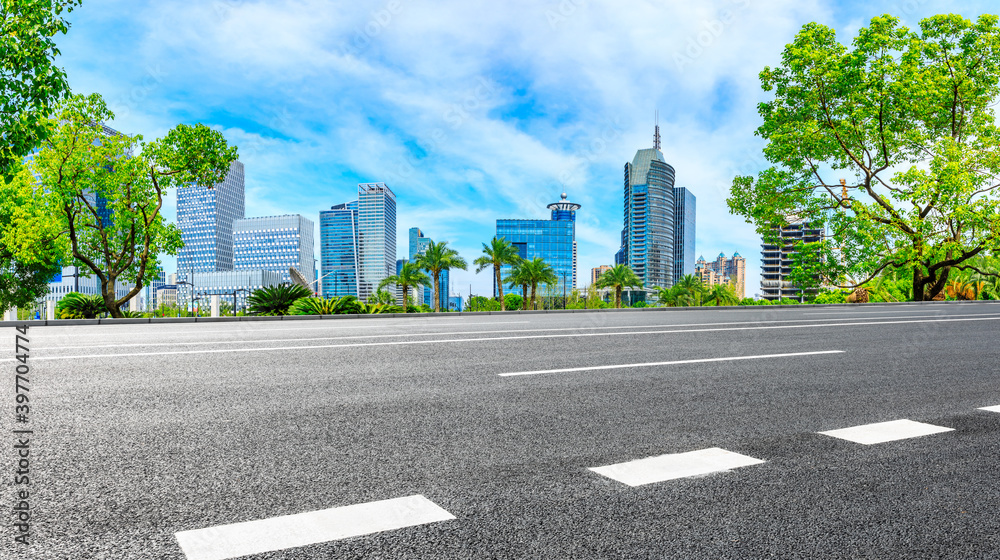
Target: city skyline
x,y
454,112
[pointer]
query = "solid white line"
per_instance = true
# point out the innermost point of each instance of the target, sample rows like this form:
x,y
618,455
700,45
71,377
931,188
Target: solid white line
x,y
678,465
249,329
991,408
488,339
870,434
301,529
452,333
673,363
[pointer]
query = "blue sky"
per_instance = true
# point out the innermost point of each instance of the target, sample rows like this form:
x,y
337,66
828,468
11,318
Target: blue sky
x,y
470,111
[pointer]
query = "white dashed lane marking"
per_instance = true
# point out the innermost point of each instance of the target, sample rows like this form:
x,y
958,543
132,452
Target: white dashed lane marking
x,y
279,533
991,408
678,465
882,432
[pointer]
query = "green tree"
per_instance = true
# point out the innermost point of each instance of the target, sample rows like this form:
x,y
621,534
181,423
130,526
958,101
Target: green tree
x,y
79,306
276,300
618,278
496,254
518,277
381,296
687,292
722,294
410,276
438,257
81,165
907,116
535,272
30,82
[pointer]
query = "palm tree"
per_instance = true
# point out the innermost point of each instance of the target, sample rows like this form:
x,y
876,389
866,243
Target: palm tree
x,y
517,277
434,259
675,296
535,272
498,253
410,276
618,277
722,294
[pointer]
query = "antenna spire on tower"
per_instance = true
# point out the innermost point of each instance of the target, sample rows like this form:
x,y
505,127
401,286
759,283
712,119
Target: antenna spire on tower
x,y
656,136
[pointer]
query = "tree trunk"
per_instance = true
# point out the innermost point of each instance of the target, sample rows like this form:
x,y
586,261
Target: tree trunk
x,y
496,269
108,293
524,297
406,290
437,287
533,287
618,297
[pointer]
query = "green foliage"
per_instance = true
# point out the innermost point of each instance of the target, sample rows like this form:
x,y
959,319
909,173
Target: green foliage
x,y
498,253
409,276
786,301
907,118
639,304
721,294
276,300
80,160
438,257
827,296
30,83
688,292
512,301
618,278
535,272
480,303
75,305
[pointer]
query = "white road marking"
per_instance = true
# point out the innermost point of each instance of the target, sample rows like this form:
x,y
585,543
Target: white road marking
x,y
870,434
301,529
678,465
196,330
673,363
991,408
453,333
490,339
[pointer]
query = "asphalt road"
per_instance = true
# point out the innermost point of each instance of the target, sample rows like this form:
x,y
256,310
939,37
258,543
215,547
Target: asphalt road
x,y
141,432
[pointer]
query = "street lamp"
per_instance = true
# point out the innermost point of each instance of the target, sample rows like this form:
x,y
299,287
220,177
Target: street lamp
x,y
564,289
185,283
247,290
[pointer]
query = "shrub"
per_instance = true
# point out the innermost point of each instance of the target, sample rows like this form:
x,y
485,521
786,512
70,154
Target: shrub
x,y
513,301
75,305
829,296
639,304
276,300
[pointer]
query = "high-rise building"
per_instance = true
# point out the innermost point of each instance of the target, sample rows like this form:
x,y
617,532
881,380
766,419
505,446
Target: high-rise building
x,y
274,243
205,216
648,239
778,260
338,234
723,271
684,232
595,273
377,236
418,244
553,240
358,243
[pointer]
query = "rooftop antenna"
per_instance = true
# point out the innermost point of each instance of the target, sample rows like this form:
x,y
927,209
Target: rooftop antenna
x,y
656,137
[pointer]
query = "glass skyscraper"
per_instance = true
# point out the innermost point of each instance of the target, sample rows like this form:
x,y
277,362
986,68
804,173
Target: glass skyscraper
x,y
274,243
648,239
684,233
338,234
376,236
358,243
205,216
554,241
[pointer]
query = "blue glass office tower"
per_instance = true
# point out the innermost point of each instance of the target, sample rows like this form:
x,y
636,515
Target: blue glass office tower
x,y
554,241
648,244
338,234
274,243
418,244
358,243
205,216
684,232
